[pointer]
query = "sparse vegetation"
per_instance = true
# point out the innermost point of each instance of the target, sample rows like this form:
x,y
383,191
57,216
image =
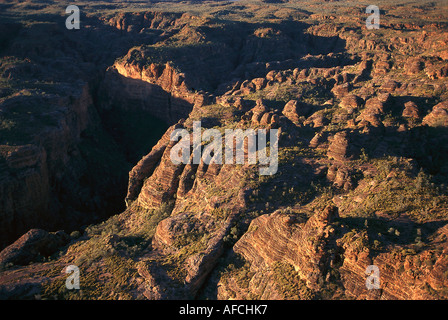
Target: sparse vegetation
x,y
233,65
289,283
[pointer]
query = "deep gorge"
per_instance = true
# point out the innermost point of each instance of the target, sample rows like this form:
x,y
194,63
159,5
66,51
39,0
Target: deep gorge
x,y
91,184
115,112
85,123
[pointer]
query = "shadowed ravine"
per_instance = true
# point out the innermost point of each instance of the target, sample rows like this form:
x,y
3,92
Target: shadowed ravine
x,y
87,179
117,121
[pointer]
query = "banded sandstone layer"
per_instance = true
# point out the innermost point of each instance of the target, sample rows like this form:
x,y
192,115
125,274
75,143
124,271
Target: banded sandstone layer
x,y
362,172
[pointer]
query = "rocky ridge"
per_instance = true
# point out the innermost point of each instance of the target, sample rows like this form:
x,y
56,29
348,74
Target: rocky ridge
x,y
357,143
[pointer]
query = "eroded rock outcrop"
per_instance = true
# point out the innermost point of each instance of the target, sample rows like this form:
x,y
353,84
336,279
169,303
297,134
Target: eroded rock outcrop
x,y
284,238
222,230
293,110
438,116
147,165
34,244
402,276
158,89
351,103
339,148
313,247
411,110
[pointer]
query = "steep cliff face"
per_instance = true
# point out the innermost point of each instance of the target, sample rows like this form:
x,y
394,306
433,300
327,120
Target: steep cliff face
x,y
282,239
207,201
25,190
402,275
60,164
361,122
30,172
158,89
322,260
136,21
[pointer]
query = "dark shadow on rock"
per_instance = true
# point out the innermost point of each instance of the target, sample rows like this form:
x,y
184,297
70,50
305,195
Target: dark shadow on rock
x,y
394,232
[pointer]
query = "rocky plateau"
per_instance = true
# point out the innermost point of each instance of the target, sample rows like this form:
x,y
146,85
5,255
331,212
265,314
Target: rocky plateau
x,y
87,177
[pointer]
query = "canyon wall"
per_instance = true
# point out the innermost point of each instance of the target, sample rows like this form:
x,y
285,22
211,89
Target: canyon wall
x,y
30,172
158,89
360,124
